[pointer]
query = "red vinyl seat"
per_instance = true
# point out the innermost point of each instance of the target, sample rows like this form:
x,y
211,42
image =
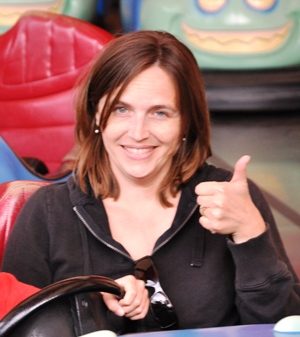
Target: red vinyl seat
x,y
41,58
13,196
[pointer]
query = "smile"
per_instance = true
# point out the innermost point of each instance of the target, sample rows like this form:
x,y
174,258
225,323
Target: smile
x,y
246,42
10,14
138,152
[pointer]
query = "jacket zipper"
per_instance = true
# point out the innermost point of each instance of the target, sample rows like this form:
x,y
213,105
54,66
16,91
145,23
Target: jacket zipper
x,y
177,230
85,222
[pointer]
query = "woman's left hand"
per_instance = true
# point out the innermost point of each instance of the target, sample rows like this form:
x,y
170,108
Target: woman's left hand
x,y
134,304
227,207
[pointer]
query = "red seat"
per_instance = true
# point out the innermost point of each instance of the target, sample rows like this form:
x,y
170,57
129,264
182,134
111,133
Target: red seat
x,y
41,58
13,195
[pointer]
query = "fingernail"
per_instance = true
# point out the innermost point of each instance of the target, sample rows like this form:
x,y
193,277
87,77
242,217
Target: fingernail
x,y
120,312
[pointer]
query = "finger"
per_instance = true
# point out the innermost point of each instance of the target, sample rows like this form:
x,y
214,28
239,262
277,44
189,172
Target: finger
x,y
141,309
207,224
112,304
202,210
208,188
211,201
144,311
132,291
213,213
240,169
139,305
134,296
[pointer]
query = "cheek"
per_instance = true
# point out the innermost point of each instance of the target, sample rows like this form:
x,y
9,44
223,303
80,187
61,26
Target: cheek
x,y
109,138
172,138
113,131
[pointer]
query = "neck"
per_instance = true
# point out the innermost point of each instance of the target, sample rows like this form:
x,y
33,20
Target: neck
x,y
141,198
139,187
138,191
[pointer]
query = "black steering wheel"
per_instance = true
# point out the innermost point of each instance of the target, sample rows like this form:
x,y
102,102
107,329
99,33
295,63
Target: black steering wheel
x,y
67,308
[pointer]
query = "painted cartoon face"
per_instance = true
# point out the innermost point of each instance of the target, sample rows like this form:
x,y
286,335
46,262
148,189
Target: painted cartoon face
x,y
231,30
11,10
230,34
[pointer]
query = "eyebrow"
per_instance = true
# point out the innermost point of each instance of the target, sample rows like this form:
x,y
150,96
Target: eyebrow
x,y
153,107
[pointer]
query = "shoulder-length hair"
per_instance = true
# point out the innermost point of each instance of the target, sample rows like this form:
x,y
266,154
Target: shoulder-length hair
x,y
120,61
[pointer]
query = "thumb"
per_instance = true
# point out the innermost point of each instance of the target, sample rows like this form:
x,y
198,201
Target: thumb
x,y
112,304
240,169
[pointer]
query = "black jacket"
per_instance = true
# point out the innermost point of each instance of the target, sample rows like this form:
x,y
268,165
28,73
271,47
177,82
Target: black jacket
x,y
211,281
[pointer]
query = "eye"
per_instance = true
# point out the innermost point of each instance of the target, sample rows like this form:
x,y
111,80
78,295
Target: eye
x,y
160,114
262,5
211,6
120,109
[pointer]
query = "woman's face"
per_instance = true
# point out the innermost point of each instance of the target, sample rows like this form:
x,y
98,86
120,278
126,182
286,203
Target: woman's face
x,y
143,130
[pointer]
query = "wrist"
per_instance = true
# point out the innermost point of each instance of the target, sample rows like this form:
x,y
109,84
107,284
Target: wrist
x,y
249,232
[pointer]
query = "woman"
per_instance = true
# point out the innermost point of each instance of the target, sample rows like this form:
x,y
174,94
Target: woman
x,y
146,209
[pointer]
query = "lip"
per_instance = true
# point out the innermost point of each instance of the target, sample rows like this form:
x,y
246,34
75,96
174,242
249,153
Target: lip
x,y
138,152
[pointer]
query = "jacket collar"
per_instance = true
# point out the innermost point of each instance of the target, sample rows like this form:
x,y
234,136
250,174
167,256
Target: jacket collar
x,y
97,218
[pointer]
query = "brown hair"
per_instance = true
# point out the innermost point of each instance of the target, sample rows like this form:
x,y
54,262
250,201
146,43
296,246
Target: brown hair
x,y
120,61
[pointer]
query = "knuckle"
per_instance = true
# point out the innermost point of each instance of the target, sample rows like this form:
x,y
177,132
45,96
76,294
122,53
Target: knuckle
x,y
131,278
217,226
133,293
140,284
204,221
146,293
221,187
217,213
138,311
199,200
220,201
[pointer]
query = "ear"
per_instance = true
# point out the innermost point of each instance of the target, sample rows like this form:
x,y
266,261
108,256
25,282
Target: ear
x,y
99,109
97,118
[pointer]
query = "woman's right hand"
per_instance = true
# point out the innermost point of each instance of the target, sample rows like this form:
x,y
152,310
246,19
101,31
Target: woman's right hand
x,y
227,207
135,303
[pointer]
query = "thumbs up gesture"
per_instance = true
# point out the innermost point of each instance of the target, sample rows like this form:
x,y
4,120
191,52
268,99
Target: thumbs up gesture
x,y
227,208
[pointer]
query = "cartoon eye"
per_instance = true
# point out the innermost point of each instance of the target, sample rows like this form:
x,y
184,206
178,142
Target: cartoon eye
x,y
262,5
211,6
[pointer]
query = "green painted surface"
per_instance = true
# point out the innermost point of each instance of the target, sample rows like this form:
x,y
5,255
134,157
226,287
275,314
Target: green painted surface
x,y
230,34
11,10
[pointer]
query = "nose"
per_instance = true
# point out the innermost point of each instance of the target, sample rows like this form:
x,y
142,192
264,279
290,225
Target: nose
x,y
138,128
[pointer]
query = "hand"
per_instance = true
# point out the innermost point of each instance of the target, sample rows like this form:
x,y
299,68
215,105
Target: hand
x,y
227,207
134,304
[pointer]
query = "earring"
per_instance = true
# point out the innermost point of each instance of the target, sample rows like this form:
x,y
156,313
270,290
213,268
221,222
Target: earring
x,y
97,131
183,139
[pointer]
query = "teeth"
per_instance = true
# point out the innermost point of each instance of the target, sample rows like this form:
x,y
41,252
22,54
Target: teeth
x,y
136,150
237,42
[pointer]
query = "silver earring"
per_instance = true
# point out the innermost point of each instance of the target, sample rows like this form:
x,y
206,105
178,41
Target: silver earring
x,y
97,131
183,139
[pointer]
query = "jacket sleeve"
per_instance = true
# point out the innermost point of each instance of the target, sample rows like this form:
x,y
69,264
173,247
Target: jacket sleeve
x,y
267,287
26,253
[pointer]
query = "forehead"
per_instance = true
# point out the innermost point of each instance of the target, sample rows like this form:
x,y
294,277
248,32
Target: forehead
x,y
152,84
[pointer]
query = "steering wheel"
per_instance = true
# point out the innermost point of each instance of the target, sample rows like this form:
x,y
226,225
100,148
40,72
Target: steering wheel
x,y
67,308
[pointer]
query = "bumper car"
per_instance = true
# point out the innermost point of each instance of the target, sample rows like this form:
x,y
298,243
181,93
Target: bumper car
x,y
41,58
12,10
13,167
248,50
